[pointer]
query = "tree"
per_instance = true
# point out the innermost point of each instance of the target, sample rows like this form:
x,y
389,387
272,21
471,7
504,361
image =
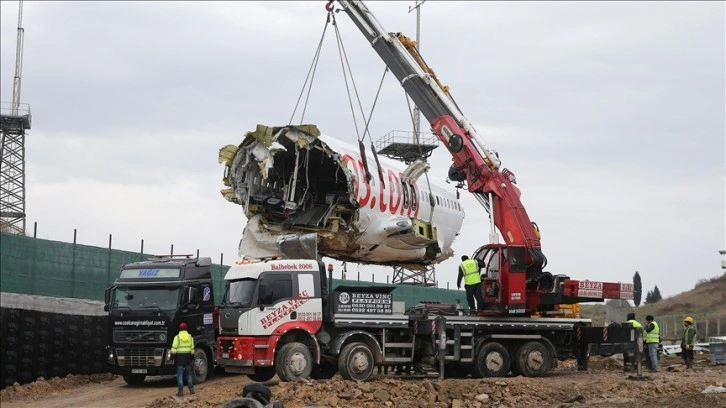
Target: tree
x,y
637,289
653,296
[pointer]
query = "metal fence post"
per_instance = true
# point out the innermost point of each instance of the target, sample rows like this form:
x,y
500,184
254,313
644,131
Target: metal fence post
x,y
73,264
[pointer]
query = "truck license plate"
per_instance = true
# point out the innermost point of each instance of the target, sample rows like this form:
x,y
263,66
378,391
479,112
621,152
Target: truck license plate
x,y
138,371
225,355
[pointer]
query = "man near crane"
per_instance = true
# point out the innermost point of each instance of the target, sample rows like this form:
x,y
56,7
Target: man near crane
x,y
652,339
469,271
628,359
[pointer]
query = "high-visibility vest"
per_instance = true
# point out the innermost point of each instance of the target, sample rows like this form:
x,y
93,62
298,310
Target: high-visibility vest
x,y
471,272
654,335
183,343
635,323
691,343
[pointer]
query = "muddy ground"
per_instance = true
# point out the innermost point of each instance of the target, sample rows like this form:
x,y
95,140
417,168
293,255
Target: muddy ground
x,y
605,384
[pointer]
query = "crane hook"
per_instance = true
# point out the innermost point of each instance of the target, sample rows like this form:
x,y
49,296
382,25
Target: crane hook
x,y
329,6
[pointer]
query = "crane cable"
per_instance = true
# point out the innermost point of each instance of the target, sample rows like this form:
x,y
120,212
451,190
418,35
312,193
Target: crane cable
x,y
345,63
311,73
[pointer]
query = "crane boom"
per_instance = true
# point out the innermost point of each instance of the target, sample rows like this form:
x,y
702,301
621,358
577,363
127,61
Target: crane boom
x,y
472,157
515,282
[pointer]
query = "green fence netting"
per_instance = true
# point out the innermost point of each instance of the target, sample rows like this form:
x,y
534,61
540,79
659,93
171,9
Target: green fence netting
x,y
34,266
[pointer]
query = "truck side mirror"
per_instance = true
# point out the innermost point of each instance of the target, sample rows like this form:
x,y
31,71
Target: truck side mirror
x,y
189,296
106,299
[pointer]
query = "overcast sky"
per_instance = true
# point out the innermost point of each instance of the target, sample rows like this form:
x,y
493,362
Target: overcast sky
x,y
611,115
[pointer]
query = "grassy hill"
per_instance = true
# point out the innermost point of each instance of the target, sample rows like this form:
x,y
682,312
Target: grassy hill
x,y
706,303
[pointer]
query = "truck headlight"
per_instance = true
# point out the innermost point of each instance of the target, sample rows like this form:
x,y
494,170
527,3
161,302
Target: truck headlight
x,y
168,357
111,358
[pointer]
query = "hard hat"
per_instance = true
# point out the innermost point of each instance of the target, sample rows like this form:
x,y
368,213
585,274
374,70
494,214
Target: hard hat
x,y
688,319
182,326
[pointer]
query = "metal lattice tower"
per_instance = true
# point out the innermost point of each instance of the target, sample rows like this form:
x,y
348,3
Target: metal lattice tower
x,y
417,278
15,119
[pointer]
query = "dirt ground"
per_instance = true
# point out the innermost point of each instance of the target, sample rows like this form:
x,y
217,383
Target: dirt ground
x,y
605,384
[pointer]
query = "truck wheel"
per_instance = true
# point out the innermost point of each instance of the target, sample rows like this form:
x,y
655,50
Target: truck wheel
x,y
200,366
134,379
492,361
356,362
262,374
323,371
532,359
293,362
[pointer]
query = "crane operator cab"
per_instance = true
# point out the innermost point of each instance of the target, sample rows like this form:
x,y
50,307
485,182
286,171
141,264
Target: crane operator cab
x,y
489,261
507,279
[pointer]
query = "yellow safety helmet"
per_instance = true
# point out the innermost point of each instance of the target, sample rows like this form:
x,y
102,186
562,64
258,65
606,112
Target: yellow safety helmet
x,y
688,319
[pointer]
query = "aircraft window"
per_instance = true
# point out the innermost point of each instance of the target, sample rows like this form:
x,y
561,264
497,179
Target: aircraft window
x,y
438,201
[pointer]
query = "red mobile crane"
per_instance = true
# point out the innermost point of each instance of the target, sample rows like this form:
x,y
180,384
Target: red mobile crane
x,y
515,282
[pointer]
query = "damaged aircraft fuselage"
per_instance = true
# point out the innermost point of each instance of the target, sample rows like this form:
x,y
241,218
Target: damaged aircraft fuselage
x,y
290,180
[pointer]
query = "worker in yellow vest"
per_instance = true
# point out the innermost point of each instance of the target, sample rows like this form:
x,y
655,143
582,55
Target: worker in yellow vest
x,y
652,339
689,341
469,271
182,350
628,358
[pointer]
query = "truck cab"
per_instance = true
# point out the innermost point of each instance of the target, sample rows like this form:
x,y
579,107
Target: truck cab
x,y
270,315
145,306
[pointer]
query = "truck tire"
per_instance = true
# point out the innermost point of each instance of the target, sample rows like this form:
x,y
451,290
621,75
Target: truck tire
x,y
258,392
134,379
262,374
492,360
356,362
532,359
323,371
200,366
293,362
242,403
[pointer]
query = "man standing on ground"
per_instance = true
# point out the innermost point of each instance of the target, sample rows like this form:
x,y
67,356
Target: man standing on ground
x,y
182,350
629,359
689,341
652,339
469,271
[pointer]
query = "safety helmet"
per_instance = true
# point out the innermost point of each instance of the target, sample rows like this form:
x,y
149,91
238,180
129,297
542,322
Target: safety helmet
x,y
688,319
182,326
